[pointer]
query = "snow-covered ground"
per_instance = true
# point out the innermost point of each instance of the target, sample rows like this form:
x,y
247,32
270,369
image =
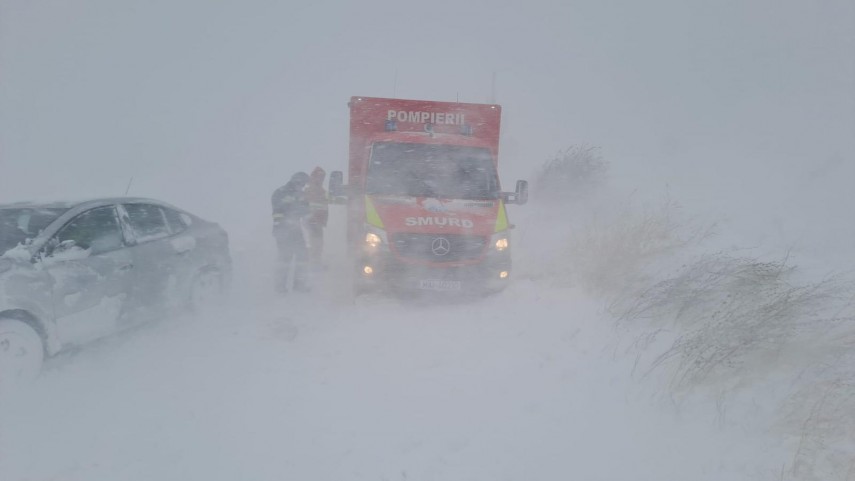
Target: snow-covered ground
x,y
532,383
520,386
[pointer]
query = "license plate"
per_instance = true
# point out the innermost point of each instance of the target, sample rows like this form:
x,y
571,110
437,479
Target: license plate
x,y
439,285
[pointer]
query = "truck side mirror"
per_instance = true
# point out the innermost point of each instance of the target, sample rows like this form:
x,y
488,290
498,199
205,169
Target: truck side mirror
x,y
521,194
336,186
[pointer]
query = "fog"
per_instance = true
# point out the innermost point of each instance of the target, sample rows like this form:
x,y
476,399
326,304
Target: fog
x,y
741,112
94,93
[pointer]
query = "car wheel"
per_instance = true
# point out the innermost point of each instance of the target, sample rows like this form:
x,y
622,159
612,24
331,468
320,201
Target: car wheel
x,y
22,353
207,289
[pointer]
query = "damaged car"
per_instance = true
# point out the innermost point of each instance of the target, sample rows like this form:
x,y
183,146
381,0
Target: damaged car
x,y
71,273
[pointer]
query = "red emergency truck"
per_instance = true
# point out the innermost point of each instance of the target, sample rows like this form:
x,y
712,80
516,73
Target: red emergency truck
x,y
425,207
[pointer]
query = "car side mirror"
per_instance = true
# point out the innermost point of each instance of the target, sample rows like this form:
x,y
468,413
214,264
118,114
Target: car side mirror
x,y
519,196
61,249
52,246
66,250
521,193
336,186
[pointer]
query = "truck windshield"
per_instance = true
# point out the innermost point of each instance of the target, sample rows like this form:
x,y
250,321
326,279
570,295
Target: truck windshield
x,y
425,170
19,224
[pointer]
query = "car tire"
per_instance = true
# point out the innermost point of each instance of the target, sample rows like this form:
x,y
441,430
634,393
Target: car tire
x,y
22,353
207,289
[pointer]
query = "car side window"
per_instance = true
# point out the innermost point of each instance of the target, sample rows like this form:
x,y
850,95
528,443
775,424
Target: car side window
x,y
147,221
175,220
95,230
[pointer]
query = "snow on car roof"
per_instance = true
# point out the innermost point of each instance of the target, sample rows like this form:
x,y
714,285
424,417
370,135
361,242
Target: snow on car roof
x,y
71,204
43,205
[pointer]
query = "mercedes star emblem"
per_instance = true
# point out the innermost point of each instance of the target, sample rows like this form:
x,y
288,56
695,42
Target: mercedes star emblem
x,y
440,246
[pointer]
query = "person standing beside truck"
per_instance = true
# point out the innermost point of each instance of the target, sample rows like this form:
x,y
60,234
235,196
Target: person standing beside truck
x,y
289,208
315,223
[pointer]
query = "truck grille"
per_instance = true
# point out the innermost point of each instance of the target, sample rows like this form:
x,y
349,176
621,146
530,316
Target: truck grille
x,y
438,247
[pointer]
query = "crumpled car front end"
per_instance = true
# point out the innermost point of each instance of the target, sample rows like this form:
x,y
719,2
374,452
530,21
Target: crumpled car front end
x,y
25,294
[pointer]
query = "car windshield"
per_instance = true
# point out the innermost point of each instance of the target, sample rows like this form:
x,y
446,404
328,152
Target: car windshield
x,y
19,224
425,170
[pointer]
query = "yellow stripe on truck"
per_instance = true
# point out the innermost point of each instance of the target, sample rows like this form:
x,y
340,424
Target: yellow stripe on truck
x,y
501,218
371,215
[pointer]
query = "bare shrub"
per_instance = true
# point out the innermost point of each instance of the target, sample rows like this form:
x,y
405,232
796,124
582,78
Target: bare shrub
x,y
573,173
719,324
729,309
736,320
613,253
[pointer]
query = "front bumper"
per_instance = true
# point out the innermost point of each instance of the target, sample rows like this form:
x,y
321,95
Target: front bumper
x,y
384,271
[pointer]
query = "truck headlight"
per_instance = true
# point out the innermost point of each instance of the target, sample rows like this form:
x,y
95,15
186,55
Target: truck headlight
x,y
373,240
501,244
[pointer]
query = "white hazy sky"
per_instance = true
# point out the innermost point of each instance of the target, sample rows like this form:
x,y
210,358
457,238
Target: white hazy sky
x,y
213,104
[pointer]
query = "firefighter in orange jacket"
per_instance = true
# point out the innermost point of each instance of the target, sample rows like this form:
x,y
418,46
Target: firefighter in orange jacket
x,y
316,195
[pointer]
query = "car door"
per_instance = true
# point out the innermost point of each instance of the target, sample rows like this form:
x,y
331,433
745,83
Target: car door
x,y
92,274
185,248
154,259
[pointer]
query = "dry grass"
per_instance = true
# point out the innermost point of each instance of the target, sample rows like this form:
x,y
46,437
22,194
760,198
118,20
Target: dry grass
x,y
573,173
722,324
728,310
736,320
718,325
614,254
